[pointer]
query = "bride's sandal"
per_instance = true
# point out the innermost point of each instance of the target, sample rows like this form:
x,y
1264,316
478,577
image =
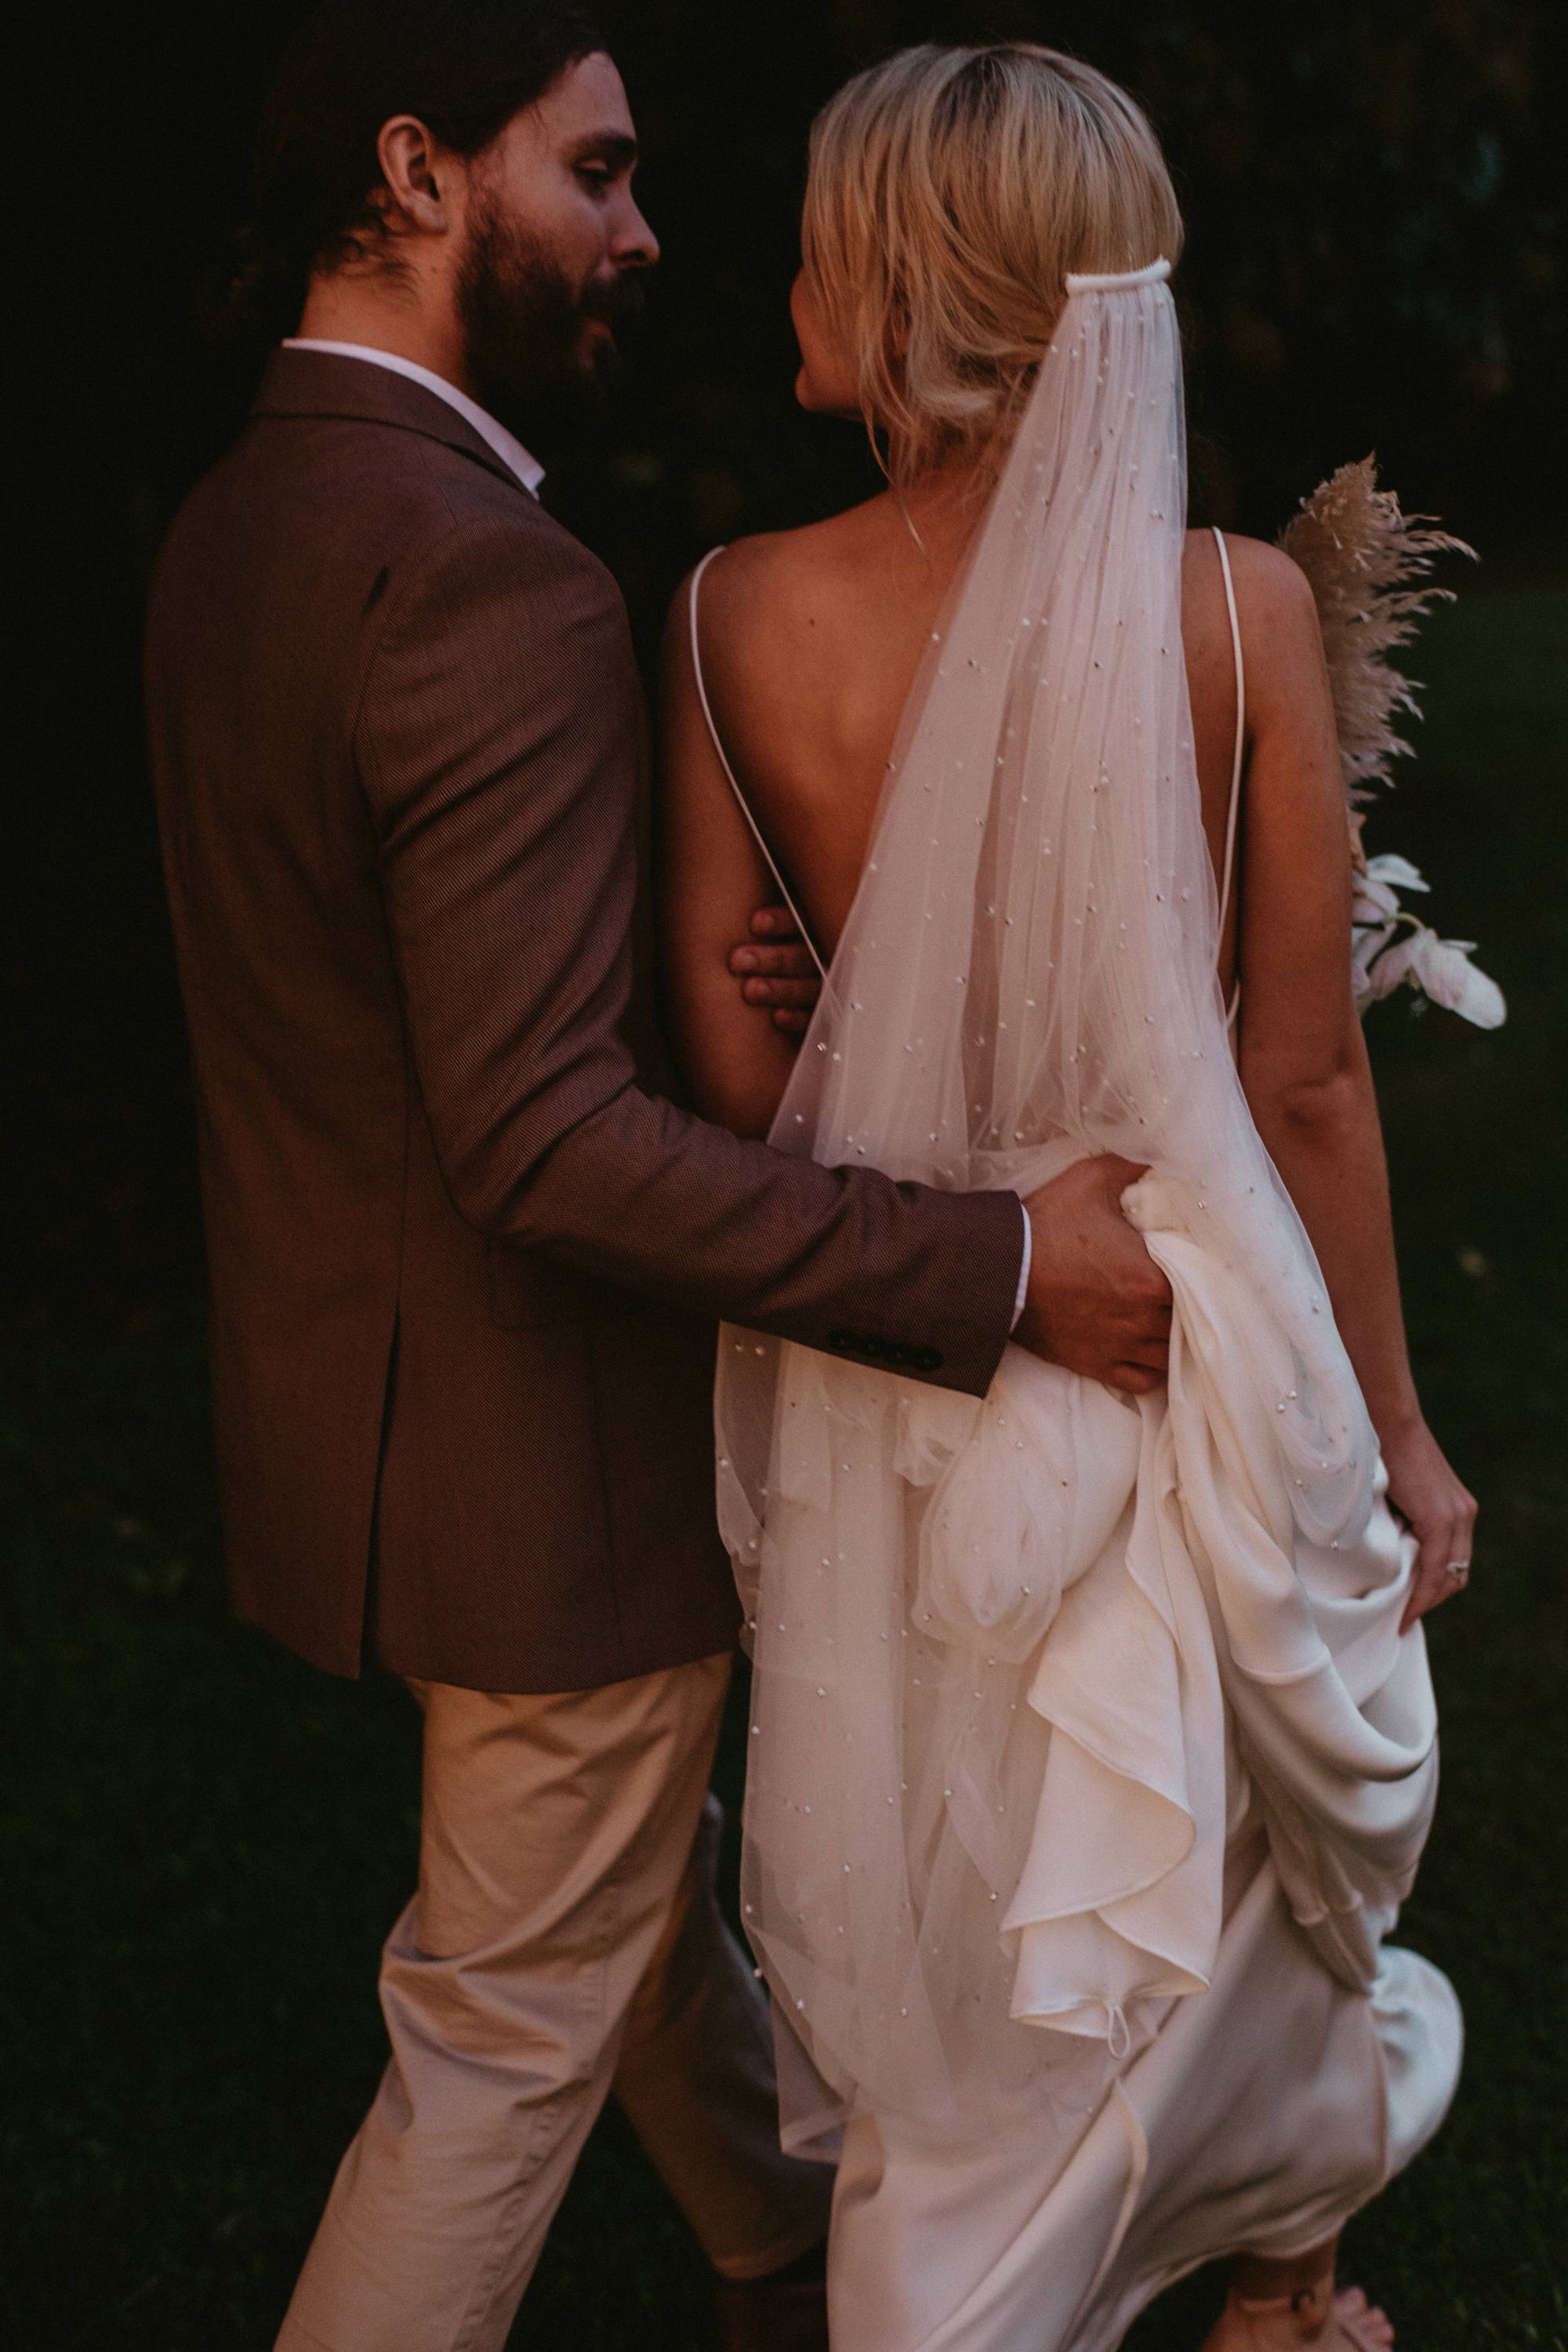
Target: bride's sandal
x,y
1369,2328
1312,2308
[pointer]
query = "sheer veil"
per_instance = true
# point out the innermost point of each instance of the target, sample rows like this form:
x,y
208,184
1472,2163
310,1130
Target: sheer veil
x,y
1020,1664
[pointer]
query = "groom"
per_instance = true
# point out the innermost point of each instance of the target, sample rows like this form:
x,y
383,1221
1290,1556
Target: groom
x,y
466,1250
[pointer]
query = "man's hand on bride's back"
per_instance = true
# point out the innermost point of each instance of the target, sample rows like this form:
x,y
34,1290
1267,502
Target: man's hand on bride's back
x,y
1097,1303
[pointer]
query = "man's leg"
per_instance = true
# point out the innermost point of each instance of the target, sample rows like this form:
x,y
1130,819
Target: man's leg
x,y
696,2077
557,1836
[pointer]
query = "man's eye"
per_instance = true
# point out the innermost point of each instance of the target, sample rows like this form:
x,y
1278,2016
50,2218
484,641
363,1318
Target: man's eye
x,y
596,175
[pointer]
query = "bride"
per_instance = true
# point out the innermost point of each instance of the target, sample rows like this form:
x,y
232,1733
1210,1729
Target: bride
x,y
1093,1743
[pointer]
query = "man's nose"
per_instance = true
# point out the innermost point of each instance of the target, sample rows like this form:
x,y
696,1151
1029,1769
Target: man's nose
x,y
633,246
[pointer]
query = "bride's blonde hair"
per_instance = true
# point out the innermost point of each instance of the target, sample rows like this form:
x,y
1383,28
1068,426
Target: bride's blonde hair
x,y
950,192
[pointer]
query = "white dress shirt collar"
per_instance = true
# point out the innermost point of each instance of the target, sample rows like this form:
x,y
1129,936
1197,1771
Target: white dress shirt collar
x,y
511,451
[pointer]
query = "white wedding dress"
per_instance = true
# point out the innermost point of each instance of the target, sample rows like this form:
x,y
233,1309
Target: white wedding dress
x,y
1088,1765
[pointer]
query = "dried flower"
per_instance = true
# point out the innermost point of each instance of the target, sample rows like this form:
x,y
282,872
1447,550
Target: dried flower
x,y
1361,553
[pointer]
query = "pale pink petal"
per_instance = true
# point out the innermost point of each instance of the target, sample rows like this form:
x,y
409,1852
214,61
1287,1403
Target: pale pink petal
x,y
1393,966
1372,901
1366,946
1443,968
1391,868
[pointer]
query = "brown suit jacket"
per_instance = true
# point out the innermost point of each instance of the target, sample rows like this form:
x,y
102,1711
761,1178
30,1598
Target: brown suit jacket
x,y
464,1252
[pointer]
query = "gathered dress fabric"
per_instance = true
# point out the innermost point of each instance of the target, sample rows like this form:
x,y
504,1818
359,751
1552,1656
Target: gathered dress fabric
x,y
1088,1767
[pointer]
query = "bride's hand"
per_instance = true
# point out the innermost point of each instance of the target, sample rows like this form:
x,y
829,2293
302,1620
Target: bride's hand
x,y
777,971
1438,1509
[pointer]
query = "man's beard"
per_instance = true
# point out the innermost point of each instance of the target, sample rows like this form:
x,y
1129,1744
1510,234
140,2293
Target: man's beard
x,y
523,329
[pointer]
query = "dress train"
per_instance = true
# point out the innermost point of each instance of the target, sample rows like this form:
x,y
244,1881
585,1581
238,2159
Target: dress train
x,y
1260,2116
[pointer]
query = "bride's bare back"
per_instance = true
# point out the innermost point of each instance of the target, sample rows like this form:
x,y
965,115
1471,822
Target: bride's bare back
x,y
810,642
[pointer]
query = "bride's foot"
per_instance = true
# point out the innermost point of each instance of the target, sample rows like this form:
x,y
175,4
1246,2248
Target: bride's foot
x,y
1314,2317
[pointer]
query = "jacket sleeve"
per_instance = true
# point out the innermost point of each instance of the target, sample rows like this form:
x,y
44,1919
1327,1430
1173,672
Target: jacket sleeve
x,y
498,740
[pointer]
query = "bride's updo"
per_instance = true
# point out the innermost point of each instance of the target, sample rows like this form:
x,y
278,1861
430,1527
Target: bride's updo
x,y
950,192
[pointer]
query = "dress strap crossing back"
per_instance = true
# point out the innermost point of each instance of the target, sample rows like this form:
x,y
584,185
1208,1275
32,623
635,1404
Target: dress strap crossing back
x,y
756,832
1228,873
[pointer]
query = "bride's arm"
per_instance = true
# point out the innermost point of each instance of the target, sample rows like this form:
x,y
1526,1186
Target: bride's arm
x,y
710,876
1302,1055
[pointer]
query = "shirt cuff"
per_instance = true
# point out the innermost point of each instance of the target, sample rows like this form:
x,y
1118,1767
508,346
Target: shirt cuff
x,y
1019,1302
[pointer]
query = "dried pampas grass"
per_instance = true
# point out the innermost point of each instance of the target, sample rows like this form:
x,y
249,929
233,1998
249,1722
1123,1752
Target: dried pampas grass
x,y
1362,556
1363,559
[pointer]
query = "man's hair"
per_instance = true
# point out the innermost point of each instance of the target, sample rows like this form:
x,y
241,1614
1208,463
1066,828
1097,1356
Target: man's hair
x,y
463,67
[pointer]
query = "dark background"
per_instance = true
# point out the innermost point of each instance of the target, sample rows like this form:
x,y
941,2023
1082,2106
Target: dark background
x,y
207,1841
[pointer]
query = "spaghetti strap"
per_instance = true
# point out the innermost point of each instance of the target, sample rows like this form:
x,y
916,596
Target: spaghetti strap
x,y
756,832
1238,754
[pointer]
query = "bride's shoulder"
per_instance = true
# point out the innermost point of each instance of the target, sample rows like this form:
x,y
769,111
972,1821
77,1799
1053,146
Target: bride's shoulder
x,y
773,581
1262,574
1270,586
1274,609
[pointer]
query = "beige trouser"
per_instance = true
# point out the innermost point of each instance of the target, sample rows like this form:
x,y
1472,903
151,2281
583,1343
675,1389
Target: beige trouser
x,y
563,1938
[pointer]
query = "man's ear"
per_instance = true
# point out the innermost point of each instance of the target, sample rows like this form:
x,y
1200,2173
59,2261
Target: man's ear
x,y
415,197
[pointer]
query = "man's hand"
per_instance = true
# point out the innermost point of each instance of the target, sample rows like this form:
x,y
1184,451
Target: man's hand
x,y
777,971
1097,1302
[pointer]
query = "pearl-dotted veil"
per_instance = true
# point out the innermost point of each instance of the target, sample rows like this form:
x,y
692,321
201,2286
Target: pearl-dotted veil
x,y
1020,1664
